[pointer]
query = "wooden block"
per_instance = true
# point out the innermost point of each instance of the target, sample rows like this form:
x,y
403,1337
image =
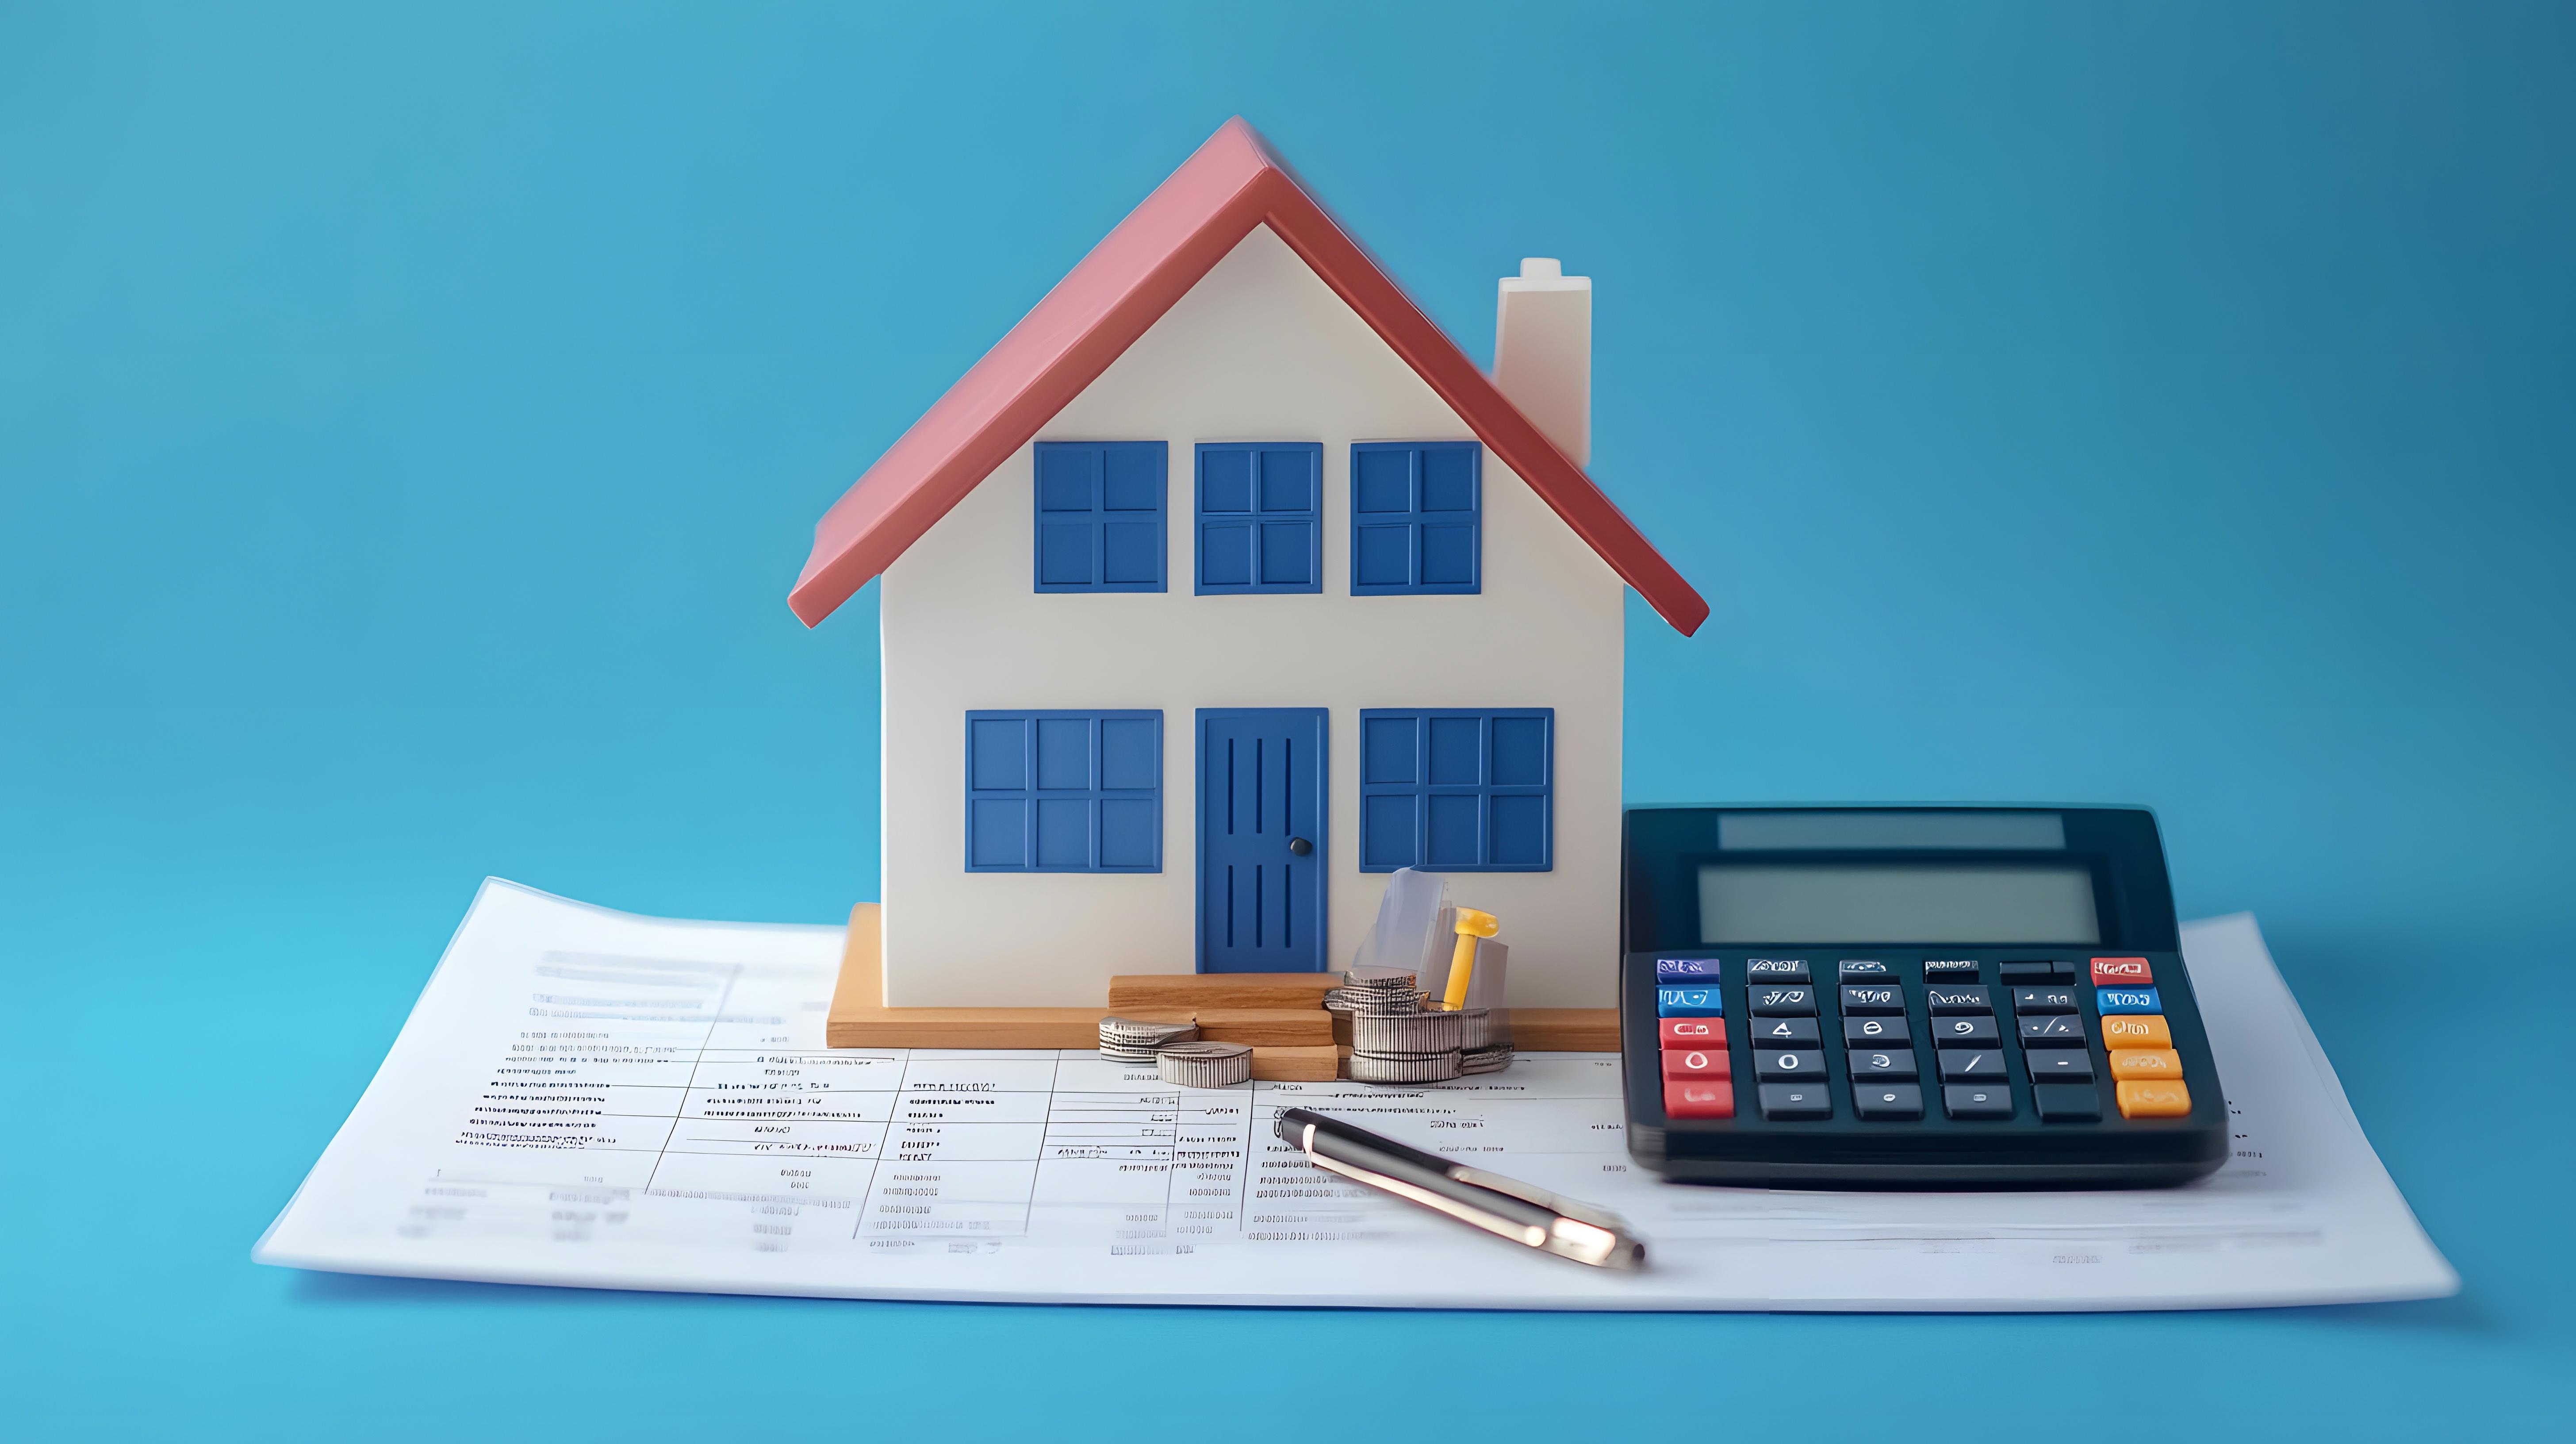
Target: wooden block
x,y
1267,1027
1219,990
1163,1015
862,981
1297,1065
964,1028
1565,1030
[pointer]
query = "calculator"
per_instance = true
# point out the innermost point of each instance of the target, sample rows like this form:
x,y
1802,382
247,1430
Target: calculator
x,y
1909,997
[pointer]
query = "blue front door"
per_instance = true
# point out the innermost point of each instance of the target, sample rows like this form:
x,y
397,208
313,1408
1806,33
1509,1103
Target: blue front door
x,y
1261,840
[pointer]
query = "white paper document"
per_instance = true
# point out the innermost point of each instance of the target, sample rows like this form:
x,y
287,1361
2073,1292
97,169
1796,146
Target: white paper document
x,y
594,1098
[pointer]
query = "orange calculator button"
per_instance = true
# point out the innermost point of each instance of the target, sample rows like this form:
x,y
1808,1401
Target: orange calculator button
x,y
2146,1063
2135,1030
2142,1099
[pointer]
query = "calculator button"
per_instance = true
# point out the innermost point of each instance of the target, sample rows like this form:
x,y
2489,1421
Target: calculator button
x,y
2111,972
1686,970
1873,998
1970,1064
1693,1032
1878,1064
2027,972
1963,1100
2136,1031
2066,1102
2052,1028
1866,970
1782,1032
2059,1065
1695,1064
1771,1063
2043,1000
1949,970
1887,1100
1796,1100
1875,1032
1964,1032
1776,970
1699,1099
1782,1002
2146,1063
1689,1003
2126,1000
1945,999
2144,1098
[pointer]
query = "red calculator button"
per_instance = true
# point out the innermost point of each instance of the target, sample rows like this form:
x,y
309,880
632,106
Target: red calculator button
x,y
2111,972
1695,1063
1694,1032
1715,1099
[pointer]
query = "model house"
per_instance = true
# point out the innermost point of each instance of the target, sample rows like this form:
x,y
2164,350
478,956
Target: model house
x,y
1226,585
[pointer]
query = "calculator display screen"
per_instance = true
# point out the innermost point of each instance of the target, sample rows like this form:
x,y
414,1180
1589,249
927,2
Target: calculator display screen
x,y
1931,902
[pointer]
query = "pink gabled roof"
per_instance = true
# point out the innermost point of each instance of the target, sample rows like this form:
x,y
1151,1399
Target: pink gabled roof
x,y
1231,184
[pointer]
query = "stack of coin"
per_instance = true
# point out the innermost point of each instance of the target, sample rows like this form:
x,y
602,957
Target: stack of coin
x,y
1204,1065
1405,1047
1493,1059
1475,1025
1132,1040
1375,990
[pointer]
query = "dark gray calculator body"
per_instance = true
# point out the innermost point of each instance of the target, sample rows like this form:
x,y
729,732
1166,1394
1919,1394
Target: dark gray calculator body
x,y
1910,998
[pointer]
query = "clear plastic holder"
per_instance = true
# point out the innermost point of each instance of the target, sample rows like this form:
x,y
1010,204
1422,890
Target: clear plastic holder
x,y
1412,931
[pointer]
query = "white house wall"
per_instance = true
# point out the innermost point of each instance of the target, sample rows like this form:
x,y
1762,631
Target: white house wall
x,y
1260,350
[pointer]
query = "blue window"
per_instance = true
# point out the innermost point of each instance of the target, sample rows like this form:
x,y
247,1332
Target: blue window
x,y
1064,792
1417,518
1100,515
1458,791
1261,516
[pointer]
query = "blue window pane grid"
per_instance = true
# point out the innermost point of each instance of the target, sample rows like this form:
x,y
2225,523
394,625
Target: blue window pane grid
x,y
1457,789
1064,791
1100,516
1417,518
1260,517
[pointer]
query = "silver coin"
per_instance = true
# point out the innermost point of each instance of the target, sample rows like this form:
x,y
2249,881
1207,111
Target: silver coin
x,y
1432,1068
1205,1065
1206,1050
1406,1032
1486,1060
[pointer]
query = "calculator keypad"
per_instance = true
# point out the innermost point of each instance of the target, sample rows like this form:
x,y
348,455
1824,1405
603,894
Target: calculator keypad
x,y
1969,1043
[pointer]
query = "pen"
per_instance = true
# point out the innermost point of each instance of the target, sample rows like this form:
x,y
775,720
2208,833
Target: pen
x,y
1504,1207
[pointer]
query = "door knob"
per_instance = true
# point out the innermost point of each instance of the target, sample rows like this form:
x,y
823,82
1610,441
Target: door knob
x,y
1300,846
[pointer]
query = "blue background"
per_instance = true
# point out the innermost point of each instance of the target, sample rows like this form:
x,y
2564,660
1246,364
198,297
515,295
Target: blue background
x,y
411,419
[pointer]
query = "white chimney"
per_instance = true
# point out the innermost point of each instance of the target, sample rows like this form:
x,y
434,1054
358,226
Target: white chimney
x,y
1543,352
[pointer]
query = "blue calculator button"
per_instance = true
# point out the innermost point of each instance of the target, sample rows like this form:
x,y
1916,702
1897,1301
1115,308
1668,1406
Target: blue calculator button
x,y
2128,1000
1686,970
1689,1003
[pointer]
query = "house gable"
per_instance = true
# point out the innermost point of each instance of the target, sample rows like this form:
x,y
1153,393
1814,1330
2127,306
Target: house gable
x,y
1232,185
